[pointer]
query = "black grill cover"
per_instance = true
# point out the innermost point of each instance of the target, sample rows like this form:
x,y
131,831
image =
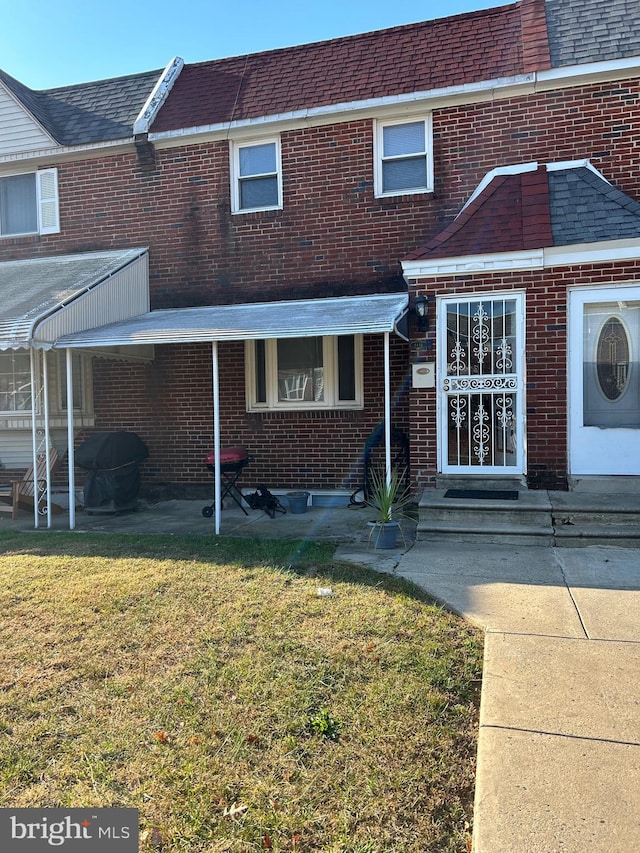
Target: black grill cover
x,y
112,481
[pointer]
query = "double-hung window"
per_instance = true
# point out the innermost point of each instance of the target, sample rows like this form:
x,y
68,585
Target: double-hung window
x,y
404,163
256,176
29,203
314,372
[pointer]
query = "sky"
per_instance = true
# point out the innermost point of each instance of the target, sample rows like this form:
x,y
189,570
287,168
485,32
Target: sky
x,y
45,45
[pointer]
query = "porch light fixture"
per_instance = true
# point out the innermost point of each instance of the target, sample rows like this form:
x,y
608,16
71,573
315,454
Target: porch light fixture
x,y
420,307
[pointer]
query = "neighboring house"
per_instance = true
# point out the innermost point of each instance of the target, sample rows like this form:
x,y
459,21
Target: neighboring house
x,y
294,205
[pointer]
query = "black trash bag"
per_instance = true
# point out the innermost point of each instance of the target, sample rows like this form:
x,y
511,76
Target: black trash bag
x,y
263,499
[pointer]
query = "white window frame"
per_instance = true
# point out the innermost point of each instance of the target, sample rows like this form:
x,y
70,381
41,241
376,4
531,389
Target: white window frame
x,y
331,375
380,159
236,147
47,204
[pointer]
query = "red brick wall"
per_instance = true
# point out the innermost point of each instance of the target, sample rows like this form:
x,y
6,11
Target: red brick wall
x,y
332,237
546,364
170,404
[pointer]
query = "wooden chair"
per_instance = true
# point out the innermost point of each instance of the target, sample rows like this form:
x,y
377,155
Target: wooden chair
x,y
20,493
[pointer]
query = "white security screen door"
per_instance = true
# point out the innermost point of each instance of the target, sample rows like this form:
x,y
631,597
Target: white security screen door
x,y
604,381
481,384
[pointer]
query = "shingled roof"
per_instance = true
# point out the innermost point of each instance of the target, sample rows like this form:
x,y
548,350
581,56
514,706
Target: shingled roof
x,y
582,31
535,208
90,112
451,51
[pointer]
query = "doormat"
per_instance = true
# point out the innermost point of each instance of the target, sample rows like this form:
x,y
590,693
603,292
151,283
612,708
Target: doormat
x,y
482,494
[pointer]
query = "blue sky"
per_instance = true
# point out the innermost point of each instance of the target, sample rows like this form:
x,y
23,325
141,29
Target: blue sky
x,y
46,44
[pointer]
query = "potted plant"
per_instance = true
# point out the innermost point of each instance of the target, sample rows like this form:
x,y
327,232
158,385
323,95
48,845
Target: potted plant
x,y
391,501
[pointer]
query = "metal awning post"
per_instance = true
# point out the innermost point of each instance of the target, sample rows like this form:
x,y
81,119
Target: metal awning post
x,y
387,408
216,436
33,365
47,445
71,449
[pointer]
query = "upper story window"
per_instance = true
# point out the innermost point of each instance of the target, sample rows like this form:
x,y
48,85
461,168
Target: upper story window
x,y
404,162
256,176
305,373
29,203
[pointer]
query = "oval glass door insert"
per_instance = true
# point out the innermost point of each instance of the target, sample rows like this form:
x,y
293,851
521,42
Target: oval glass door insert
x,y
612,359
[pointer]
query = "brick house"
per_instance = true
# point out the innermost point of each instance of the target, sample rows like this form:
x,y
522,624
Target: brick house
x,y
255,236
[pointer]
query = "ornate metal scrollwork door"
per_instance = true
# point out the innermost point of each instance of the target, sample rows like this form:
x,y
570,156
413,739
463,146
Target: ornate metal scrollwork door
x,y
481,361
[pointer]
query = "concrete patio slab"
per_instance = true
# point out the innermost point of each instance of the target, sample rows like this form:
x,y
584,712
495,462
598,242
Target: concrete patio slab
x,y
562,686
540,793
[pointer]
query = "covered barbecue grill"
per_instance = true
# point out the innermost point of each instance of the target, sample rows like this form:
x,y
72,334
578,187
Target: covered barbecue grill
x,y
112,481
232,461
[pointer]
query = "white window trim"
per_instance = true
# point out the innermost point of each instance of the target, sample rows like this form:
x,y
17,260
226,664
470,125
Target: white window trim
x,y
330,363
379,148
47,203
235,173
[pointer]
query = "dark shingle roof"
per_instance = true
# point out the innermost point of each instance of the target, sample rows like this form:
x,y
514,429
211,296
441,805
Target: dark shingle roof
x,y
582,31
450,51
536,210
90,112
585,209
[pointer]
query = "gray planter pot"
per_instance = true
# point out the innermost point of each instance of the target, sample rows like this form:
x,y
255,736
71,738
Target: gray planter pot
x,y
384,534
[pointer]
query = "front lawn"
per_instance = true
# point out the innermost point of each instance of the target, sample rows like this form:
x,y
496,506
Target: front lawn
x,y
207,683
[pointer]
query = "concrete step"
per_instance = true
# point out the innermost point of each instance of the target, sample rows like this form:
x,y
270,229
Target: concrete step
x,y
526,520
561,518
596,519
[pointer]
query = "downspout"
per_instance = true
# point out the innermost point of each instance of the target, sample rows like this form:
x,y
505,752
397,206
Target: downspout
x,y
70,447
216,436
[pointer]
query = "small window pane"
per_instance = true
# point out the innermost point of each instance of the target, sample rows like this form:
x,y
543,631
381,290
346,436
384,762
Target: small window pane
x,y
261,372
18,205
346,368
300,369
399,139
404,174
258,160
15,382
258,193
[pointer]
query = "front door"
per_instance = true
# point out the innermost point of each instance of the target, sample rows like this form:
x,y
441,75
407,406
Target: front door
x,y
481,385
604,381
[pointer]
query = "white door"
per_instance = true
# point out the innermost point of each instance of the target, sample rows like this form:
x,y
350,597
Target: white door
x,y
604,381
481,384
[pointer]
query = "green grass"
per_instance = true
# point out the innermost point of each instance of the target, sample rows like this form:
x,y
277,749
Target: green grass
x,y
205,682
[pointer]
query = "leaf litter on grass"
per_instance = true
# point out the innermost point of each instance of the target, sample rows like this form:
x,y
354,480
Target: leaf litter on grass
x,y
145,674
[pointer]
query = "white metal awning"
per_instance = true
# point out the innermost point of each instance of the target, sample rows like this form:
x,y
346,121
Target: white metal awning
x,y
346,315
44,298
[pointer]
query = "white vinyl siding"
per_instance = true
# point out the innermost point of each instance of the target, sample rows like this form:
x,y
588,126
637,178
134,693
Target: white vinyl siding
x,y
404,162
256,182
313,372
29,203
19,132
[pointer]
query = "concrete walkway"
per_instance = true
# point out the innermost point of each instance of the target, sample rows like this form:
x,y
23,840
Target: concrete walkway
x,y
559,746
